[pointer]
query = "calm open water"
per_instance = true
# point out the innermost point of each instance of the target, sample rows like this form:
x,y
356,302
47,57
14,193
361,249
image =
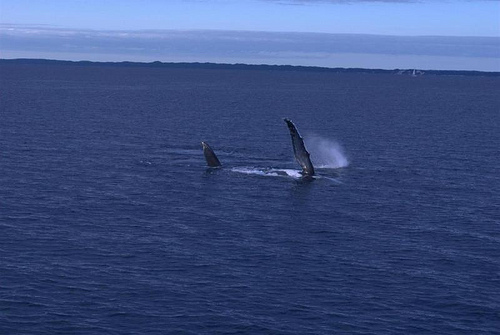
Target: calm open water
x,y
110,222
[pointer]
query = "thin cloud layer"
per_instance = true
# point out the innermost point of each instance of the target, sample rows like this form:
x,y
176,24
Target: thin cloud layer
x,y
304,2
241,46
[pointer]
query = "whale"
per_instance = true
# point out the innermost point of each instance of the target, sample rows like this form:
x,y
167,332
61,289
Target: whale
x,y
210,156
299,150
302,156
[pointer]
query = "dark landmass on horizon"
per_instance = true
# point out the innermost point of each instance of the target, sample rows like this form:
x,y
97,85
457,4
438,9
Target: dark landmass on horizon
x,y
238,66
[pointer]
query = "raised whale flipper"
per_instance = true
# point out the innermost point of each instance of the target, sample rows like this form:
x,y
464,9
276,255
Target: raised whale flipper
x,y
299,149
210,156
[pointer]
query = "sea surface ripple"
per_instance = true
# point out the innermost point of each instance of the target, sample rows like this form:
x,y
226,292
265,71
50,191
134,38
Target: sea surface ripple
x,y
110,222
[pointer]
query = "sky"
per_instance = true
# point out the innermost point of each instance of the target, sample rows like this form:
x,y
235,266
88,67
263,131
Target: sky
x,y
439,34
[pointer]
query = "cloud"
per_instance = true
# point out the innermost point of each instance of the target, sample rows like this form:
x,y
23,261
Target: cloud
x,y
238,46
305,2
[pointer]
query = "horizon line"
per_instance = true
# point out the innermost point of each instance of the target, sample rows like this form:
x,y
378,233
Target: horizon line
x,y
239,66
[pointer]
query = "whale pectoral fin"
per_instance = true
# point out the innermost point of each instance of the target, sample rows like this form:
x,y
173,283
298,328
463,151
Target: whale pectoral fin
x,y
299,149
210,155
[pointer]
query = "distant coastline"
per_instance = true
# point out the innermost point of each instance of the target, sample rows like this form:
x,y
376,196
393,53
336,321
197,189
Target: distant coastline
x,y
261,67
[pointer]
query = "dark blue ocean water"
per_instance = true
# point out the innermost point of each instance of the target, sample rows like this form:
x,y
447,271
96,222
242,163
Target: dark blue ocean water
x,y
110,222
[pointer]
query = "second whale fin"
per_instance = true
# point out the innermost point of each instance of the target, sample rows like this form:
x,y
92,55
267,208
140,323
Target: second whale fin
x,y
210,155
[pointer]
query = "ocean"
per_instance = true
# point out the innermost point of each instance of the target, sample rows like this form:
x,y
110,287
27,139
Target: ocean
x,y
111,222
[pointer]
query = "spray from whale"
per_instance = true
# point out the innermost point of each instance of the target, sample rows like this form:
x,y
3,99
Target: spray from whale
x,y
326,153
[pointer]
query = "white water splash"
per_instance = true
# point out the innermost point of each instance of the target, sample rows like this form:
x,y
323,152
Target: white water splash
x,y
247,170
268,172
281,173
326,153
